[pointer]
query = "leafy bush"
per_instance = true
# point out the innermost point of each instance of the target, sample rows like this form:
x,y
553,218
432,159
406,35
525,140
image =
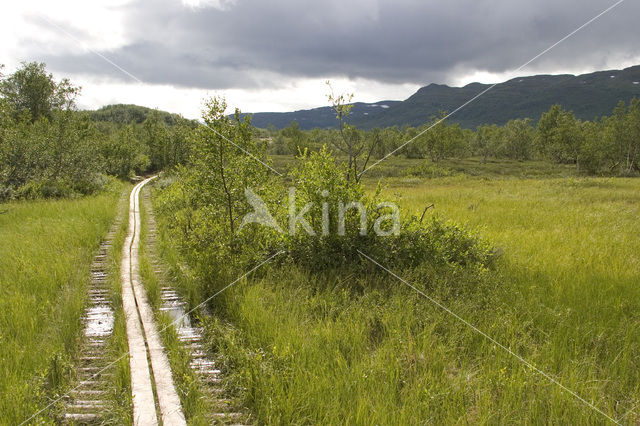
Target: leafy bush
x,y
202,205
49,149
46,148
49,158
437,242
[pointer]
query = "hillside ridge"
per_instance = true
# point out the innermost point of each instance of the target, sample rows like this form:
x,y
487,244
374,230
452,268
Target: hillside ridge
x,y
587,95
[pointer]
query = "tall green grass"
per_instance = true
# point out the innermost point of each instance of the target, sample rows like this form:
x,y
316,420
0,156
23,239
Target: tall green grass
x,y
45,253
366,349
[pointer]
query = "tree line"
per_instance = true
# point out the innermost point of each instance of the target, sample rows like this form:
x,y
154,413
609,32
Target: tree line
x,y
48,148
608,145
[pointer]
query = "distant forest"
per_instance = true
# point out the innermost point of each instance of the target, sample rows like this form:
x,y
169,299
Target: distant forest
x,y
50,149
609,145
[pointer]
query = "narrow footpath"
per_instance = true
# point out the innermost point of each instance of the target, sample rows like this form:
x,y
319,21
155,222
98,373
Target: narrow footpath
x,y
153,391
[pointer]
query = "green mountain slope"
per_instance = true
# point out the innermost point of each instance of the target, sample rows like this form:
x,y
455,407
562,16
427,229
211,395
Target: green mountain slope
x,y
130,114
588,96
317,117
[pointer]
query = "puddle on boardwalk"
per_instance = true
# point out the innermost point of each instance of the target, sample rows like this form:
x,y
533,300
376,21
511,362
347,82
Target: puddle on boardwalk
x,y
174,307
177,314
99,321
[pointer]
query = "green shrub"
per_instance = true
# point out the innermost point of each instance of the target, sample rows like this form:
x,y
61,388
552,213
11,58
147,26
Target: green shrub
x,y
201,206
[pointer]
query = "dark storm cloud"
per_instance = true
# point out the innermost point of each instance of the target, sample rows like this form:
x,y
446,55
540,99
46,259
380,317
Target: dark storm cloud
x,y
254,43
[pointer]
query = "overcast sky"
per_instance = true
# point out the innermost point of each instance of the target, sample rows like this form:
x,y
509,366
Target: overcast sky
x,y
276,55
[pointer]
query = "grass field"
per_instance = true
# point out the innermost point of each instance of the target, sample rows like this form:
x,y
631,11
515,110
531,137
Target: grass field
x,y
367,349
47,248
474,166
569,274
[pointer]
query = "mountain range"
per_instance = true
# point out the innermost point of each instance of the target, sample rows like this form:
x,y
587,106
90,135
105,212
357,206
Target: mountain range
x,y
587,95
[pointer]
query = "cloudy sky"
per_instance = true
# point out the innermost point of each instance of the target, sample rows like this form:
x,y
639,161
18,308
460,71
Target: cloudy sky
x,y
276,55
